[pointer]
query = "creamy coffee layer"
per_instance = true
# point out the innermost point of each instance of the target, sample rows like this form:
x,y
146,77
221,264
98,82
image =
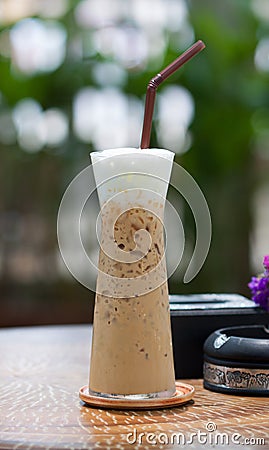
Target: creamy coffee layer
x,y
132,350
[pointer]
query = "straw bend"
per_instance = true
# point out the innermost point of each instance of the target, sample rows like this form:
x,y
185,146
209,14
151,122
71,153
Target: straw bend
x,y
155,83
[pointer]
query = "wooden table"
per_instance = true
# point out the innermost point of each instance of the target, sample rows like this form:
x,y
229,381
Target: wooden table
x,y
41,370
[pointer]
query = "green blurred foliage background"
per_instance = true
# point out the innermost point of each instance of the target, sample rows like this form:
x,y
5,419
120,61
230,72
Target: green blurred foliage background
x,y
73,76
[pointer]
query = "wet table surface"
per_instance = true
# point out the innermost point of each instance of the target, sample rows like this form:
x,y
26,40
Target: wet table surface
x,y
41,371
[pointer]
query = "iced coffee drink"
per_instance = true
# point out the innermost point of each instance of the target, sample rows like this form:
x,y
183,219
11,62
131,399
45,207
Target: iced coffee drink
x,y
132,349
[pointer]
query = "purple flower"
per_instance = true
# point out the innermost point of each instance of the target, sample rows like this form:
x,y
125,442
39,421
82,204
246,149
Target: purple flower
x,y
253,283
266,262
259,286
262,284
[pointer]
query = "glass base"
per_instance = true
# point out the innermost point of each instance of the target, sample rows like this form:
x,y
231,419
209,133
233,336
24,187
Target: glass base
x,y
163,394
184,393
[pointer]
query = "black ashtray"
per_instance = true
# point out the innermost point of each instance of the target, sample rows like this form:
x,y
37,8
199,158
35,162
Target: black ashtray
x,y
236,361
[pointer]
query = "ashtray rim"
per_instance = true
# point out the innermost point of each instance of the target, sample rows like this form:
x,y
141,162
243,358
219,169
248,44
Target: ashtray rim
x,y
222,344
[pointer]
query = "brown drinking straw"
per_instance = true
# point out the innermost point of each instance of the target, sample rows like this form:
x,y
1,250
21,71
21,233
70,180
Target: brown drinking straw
x,y
156,81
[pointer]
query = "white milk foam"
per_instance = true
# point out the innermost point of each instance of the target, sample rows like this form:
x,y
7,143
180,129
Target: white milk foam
x,y
120,169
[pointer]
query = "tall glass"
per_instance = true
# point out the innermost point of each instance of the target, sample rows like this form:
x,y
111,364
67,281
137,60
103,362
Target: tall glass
x,y
132,347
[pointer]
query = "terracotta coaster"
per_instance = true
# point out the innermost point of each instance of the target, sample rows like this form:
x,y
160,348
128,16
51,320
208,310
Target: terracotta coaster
x,y
184,393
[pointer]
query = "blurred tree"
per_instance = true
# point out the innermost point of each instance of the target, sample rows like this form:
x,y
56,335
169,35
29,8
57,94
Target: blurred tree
x,y
83,69
228,89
